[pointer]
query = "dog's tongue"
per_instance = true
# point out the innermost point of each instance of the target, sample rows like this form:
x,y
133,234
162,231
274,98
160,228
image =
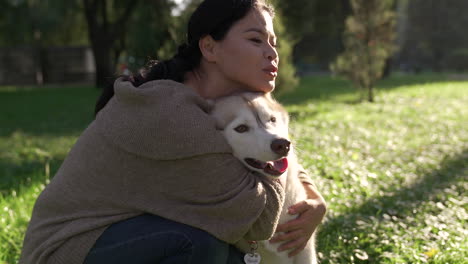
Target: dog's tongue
x,y
278,166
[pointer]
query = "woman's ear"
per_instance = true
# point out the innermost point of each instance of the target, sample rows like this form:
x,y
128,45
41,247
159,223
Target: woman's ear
x,y
208,48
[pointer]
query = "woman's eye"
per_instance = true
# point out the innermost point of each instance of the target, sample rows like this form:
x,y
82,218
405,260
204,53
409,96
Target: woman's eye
x,y
241,129
256,40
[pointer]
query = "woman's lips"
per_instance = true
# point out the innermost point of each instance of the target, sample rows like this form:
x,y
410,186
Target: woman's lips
x,y
271,70
272,74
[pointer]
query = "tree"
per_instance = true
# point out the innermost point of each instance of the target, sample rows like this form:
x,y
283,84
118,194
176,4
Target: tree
x,y
43,23
433,35
289,23
321,40
107,23
369,42
296,16
152,34
287,79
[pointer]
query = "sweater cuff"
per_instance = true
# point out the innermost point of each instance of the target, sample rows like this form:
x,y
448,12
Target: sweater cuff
x,y
304,178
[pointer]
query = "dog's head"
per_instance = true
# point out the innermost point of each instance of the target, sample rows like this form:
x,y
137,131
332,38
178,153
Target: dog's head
x,y
256,127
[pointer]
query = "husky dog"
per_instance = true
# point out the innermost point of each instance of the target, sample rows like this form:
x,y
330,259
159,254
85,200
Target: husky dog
x,y
256,127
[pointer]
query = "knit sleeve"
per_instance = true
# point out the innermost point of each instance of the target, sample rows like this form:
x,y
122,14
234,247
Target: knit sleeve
x,y
213,192
304,177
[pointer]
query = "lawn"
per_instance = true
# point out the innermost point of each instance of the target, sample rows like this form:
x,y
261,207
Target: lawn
x,y
394,172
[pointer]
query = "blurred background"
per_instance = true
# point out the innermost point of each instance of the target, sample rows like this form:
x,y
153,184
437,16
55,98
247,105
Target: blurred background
x,y
394,172
89,41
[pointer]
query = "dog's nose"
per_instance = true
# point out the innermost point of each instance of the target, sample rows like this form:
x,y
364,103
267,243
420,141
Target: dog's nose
x,y
280,146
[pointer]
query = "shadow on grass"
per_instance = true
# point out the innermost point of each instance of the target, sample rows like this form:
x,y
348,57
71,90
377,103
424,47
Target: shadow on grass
x,y
46,111
327,87
401,204
14,176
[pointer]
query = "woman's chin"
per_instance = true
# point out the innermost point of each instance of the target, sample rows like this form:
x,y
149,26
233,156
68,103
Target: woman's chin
x,y
270,87
267,87
264,87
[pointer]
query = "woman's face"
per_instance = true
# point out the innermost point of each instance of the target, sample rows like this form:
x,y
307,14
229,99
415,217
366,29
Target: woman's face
x,y
247,57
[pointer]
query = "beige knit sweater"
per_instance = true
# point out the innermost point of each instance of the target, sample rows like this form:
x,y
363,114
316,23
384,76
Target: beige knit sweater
x,y
152,149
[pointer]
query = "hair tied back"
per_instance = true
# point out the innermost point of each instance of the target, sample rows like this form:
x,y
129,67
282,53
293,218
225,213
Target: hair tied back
x,y
183,51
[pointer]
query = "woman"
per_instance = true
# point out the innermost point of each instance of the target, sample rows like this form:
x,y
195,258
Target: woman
x,y
151,180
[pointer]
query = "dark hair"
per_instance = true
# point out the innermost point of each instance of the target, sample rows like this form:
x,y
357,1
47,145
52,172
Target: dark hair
x,y
212,17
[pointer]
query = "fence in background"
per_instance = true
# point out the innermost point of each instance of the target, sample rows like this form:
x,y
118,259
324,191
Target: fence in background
x,y
47,65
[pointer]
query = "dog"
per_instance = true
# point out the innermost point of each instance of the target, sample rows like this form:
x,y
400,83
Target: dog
x,y
256,127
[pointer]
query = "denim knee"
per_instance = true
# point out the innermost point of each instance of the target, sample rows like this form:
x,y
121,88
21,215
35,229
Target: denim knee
x,y
208,249
152,239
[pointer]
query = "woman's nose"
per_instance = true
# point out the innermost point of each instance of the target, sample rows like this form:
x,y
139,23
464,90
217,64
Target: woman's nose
x,y
271,53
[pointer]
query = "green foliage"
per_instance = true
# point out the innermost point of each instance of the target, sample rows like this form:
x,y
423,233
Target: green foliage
x,y
45,22
286,80
456,59
433,31
394,173
150,34
369,42
39,126
296,16
321,40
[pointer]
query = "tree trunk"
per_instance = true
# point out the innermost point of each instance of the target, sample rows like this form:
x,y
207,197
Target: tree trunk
x,y
387,70
102,50
103,33
38,58
371,94
104,64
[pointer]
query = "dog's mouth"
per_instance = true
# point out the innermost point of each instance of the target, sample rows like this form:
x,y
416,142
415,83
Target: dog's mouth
x,y
274,168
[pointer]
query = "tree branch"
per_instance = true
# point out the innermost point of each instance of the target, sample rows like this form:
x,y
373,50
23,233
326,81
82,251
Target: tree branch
x,y
105,20
117,27
90,12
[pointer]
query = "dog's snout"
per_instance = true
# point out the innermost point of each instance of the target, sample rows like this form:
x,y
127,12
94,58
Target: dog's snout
x,y
280,146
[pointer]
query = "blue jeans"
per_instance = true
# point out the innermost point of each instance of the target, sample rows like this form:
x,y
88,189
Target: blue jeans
x,y
150,239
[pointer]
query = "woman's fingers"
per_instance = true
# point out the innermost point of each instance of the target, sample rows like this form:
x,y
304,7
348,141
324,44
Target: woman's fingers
x,y
286,236
290,225
294,244
298,208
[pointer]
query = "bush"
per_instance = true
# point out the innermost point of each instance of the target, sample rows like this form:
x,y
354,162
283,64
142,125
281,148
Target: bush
x,y
287,79
369,42
456,60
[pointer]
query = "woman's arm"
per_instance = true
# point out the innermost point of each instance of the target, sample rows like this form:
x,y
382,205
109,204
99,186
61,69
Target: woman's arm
x,y
265,226
213,192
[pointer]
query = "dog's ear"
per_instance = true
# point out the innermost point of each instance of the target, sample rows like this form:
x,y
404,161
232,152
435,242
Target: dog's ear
x,y
218,114
223,113
222,117
220,120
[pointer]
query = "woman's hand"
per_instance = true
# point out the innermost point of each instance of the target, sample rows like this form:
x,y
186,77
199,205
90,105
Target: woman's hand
x,y
297,232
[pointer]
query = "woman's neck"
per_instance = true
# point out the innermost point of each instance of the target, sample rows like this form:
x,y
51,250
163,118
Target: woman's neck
x,y
210,86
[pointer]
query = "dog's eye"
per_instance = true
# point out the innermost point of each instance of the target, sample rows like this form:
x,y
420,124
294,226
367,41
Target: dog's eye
x,y
241,128
273,119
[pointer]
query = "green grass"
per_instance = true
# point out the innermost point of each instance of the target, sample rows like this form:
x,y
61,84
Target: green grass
x,y
394,173
38,126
